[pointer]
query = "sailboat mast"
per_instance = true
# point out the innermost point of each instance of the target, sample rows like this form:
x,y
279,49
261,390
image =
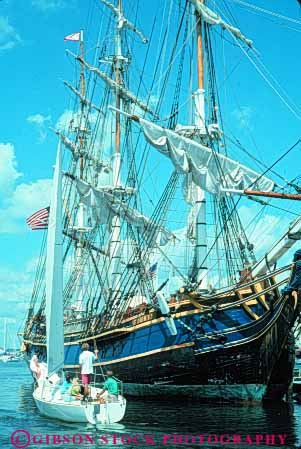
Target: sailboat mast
x,y
115,237
200,203
54,310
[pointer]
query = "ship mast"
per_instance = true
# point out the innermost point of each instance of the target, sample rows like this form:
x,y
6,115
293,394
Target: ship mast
x,y
81,209
200,202
122,95
115,237
83,93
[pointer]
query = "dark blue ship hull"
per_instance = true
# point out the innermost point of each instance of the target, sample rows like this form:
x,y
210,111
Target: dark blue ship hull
x,y
239,352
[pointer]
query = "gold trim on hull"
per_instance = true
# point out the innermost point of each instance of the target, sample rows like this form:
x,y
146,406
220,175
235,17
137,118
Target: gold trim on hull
x,y
145,354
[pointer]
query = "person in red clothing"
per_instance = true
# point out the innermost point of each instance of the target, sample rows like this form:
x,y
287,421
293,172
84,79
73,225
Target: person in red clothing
x,y
86,360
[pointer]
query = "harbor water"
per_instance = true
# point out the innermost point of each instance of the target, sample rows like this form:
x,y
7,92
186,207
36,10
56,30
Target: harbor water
x,y
153,424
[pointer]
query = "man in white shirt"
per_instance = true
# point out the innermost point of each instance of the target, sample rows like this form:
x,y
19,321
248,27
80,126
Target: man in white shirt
x,y
35,366
86,360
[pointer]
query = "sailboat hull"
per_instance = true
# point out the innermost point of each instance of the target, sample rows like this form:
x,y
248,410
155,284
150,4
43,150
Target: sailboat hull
x,y
76,412
66,412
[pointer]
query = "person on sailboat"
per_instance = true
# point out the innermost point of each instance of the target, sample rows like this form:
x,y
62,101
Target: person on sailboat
x,y
110,389
66,385
76,390
86,360
35,366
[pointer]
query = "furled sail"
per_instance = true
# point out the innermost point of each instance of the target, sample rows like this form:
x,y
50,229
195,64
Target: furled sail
x,y
212,18
105,206
98,165
126,94
209,170
68,144
123,22
83,99
54,276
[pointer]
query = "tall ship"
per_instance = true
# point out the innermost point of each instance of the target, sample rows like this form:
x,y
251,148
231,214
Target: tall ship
x,y
159,270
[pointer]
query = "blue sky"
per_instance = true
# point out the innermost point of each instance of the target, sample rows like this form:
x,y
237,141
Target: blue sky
x,y
33,64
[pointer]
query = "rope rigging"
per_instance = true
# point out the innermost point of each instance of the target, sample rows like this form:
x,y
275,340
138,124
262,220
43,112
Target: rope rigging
x,y
137,247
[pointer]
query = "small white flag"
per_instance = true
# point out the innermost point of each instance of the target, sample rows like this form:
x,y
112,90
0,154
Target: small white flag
x,y
73,37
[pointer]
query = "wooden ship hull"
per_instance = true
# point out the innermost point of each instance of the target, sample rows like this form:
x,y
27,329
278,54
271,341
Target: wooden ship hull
x,y
233,346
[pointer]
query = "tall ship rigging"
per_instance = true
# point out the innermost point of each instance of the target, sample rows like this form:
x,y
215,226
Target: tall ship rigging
x,y
162,277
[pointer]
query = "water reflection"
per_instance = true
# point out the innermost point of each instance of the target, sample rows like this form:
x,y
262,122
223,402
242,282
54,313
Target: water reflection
x,y
162,421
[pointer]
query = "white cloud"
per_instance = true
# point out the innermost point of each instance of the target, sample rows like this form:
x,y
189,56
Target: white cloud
x,y
25,200
38,119
16,286
15,294
8,168
65,120
18,202
9,37
244,115
40,122
47,5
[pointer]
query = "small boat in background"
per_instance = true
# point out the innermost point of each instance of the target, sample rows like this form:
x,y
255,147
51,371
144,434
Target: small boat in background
x,y
8,355
11,357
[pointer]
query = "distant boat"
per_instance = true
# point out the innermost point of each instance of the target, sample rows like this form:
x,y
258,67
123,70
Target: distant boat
x,y
7,355
8,358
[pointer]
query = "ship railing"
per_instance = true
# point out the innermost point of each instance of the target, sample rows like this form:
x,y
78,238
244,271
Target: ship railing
x,y
254,296
223,302
256,280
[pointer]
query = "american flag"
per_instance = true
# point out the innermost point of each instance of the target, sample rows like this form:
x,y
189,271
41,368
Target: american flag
x,y
152,271
39,220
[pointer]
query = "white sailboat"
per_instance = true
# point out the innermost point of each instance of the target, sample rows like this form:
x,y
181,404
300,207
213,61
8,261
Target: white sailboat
x,y
47,395
9,358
